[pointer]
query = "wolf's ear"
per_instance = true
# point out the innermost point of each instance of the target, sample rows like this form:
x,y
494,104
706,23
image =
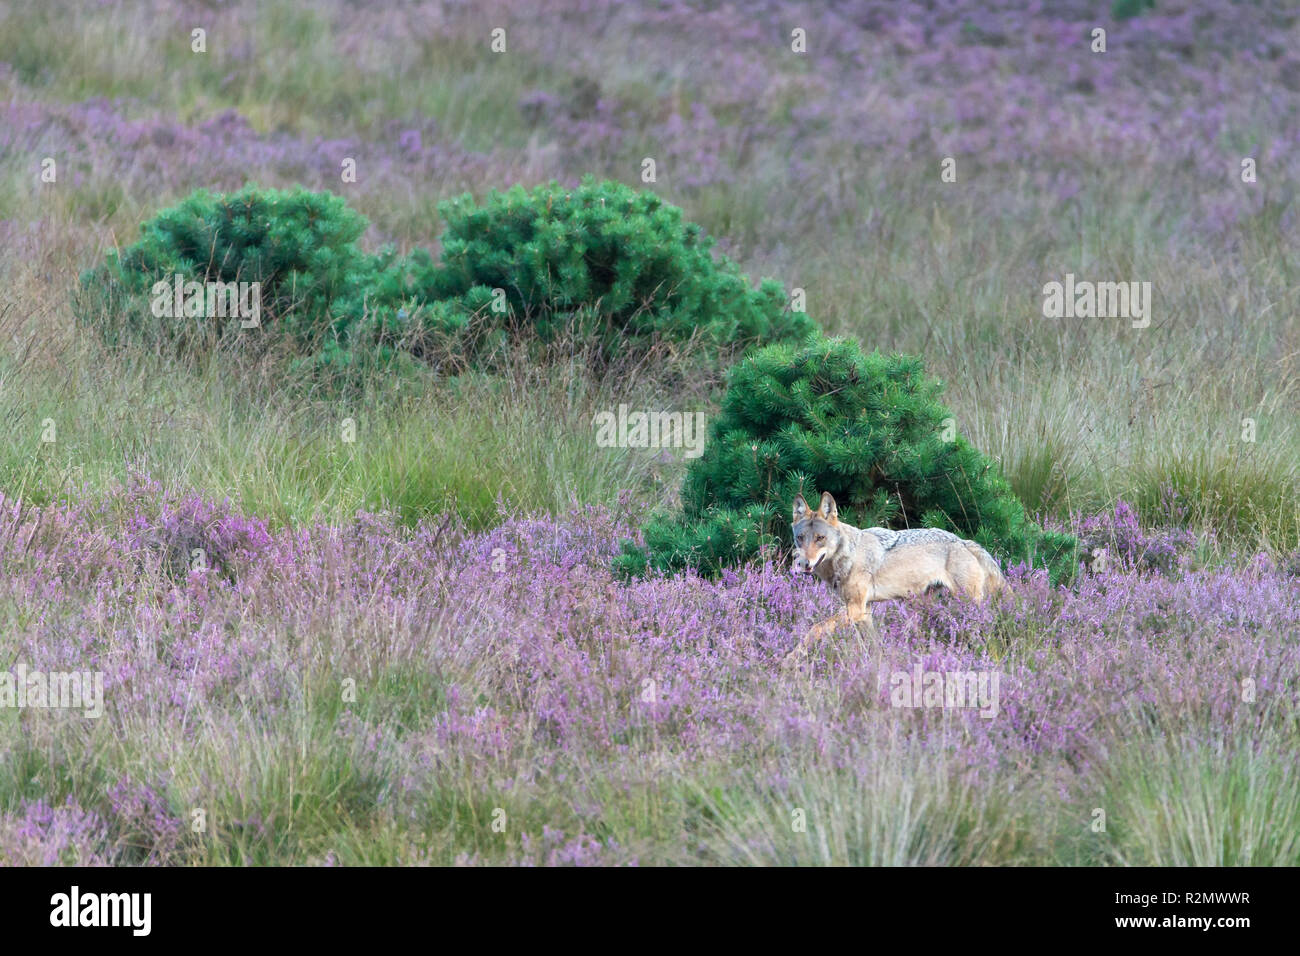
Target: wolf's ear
x,y
827,508
800,508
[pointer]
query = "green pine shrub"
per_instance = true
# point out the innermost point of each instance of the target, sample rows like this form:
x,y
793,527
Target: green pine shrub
x,y
871,430
602,260
300,245
601,265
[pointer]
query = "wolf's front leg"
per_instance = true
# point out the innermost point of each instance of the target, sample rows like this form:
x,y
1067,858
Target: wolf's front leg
x,y
865,621
857,610
814,636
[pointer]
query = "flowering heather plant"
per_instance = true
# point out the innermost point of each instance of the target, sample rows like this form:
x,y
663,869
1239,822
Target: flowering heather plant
x,y
128,151
37,834
1119,536
189,533
439,676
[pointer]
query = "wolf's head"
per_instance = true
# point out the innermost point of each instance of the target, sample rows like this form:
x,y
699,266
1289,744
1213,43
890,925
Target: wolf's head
x,y
817,533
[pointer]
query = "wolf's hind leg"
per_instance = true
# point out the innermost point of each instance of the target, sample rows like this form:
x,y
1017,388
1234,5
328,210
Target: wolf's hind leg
x,y
964,571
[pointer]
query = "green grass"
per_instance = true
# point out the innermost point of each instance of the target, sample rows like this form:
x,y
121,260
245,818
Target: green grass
x,y
1101,412
1174,801
296,69
419,447
912,808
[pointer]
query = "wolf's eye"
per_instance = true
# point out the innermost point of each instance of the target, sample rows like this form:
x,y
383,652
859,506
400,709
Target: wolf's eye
x,y
821,537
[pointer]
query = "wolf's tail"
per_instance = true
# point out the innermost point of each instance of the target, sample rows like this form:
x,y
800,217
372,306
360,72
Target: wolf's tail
x,y
996,582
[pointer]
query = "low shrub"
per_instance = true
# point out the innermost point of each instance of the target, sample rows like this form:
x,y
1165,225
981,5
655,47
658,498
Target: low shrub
x,y
871,430
601,265
299,246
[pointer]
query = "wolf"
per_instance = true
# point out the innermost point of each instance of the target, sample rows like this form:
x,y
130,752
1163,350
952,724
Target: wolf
x,y
875,564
